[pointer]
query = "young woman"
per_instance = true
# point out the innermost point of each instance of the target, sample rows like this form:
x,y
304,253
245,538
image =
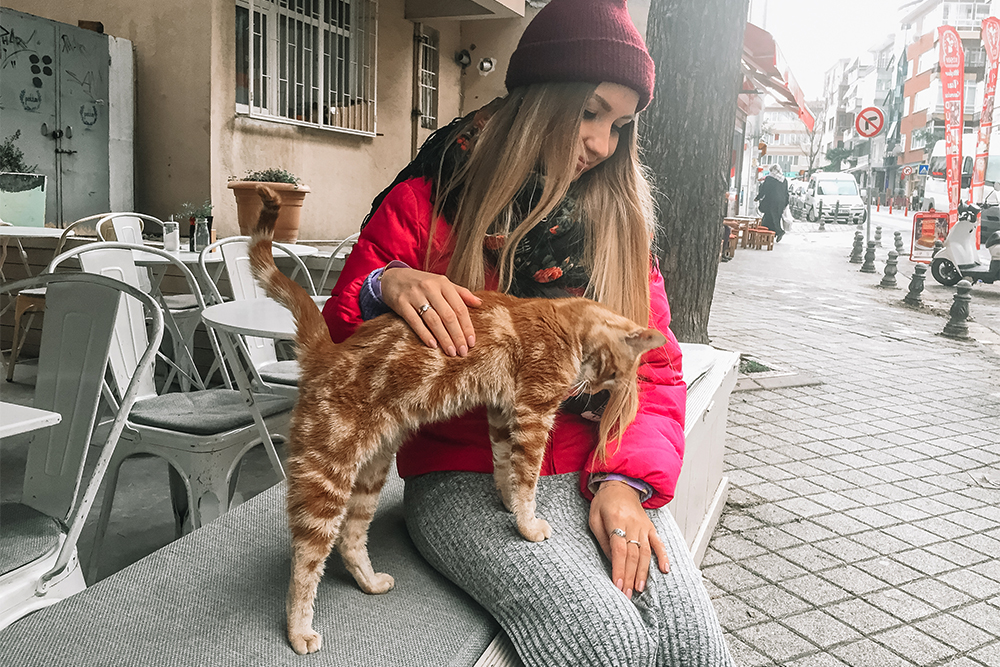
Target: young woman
x,y
541,193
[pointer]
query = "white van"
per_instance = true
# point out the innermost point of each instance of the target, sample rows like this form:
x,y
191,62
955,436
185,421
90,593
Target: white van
x,y
935,186
835,196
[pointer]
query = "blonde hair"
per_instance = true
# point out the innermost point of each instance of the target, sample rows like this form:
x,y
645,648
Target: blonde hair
x,y
537,128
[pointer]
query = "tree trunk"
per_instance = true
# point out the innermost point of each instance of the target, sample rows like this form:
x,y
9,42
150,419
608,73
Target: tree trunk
x,y
688,140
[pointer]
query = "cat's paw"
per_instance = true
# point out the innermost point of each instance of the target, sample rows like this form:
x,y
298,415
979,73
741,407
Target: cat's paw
x,y
380,583
535,530
305,642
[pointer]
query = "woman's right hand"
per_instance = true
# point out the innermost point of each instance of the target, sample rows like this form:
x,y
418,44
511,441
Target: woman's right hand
x,y
446,322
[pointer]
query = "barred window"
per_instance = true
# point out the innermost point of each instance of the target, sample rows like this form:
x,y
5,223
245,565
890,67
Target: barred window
x,y
308,62
427,81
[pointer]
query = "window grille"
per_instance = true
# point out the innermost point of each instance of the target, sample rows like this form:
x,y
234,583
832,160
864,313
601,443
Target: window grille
x,y
308,62
427,76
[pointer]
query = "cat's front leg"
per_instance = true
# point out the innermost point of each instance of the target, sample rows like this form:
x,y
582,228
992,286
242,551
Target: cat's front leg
x,y
529,436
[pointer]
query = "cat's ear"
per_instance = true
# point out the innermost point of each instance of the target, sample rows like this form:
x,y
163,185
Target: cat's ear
x,y
643,341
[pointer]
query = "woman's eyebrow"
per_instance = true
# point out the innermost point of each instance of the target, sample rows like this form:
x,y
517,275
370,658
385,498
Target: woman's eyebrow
x,y
607,107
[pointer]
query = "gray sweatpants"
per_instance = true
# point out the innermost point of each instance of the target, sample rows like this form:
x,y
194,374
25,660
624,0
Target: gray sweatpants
x,y
555,598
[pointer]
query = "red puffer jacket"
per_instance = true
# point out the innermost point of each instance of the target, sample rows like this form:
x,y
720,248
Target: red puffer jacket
x,y
652,447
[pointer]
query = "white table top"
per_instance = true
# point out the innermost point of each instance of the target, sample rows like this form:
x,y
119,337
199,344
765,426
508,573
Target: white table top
x,y
15,419
188,257
18,231
255,317
185,256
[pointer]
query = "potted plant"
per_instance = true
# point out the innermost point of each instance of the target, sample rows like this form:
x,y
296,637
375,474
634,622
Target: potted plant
x,y
248,204
22,192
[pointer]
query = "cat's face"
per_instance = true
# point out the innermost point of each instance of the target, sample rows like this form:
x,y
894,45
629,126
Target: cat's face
x,y
611,351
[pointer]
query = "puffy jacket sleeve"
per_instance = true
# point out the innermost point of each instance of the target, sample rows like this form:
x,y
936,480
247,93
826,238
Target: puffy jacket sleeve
x,y
652,447
398,229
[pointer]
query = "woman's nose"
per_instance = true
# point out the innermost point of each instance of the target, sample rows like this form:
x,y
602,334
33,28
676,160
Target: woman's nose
x,y
597,144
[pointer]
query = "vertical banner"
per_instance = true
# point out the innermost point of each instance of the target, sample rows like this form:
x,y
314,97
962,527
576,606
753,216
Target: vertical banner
x,y
951,56
991,42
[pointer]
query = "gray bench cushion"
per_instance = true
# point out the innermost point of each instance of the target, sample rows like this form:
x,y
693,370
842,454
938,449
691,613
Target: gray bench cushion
x,y
217,597
25,535
204,412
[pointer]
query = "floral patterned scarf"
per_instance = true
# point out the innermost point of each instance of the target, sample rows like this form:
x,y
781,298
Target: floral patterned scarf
x,y
549,259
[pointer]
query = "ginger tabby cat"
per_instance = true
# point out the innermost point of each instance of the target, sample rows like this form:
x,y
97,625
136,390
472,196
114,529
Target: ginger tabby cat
x,y
360,399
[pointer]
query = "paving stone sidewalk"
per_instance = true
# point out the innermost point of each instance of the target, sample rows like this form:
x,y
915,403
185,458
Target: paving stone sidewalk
x,y
863,522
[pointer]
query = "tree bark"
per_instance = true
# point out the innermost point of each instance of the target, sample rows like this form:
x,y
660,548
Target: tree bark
x,y
688,140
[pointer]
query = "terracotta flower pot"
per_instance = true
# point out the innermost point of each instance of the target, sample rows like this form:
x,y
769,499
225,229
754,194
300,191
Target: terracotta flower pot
x,y
248,206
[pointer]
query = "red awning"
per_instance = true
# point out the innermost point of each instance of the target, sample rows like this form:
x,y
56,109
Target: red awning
x,y
763,65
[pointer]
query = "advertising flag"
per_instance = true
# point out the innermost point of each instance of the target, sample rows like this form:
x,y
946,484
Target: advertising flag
x,y
991,42
951,57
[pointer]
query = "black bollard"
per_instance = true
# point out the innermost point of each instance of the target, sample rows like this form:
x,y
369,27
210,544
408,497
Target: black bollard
x,y
937,247
958,326
897,240
878,236
869,263
889,277
916,286
858,251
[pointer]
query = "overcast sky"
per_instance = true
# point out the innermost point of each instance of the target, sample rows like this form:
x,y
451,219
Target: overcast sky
x,y
814,34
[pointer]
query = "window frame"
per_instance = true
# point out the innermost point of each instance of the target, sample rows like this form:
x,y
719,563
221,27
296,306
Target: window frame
x,y
296,72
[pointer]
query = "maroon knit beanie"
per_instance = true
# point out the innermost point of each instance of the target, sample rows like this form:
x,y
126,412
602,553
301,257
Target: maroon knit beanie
x,y
583,40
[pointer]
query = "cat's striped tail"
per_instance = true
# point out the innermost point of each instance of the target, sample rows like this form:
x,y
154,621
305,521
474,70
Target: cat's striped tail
x,y
310,326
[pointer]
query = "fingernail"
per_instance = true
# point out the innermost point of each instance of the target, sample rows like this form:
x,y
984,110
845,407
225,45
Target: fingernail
x,y
472,341
451,351
434,342
641,587
628,594
620,584
462,351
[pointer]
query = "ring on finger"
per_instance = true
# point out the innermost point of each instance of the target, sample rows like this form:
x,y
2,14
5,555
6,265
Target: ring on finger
x,y
618,531
635,542
423,309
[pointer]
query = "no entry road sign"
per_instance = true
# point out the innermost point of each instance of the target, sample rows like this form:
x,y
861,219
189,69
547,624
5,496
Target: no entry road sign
x,y
869,122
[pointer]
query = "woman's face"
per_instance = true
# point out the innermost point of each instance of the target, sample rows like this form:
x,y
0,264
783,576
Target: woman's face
x,y
610,108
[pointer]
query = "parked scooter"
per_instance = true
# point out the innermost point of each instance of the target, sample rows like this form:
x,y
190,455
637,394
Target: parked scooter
x,y
959,257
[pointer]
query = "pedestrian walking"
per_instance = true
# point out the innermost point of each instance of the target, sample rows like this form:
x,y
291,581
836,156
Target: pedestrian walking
x,y
773,198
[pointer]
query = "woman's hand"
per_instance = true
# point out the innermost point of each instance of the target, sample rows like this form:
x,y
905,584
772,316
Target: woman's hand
x,y
616,505
446,322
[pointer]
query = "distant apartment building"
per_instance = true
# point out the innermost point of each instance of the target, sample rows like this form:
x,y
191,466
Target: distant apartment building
x,y
788,141
923,112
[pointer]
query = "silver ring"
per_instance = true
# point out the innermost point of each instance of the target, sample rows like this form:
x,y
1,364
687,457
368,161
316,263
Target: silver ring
x,y
635,542
618,531
423,309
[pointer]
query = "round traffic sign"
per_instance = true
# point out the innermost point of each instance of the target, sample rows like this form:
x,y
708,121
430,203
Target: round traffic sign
x,y
869,122
907,171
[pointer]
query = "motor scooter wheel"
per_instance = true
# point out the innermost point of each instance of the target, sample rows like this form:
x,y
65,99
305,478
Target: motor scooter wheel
x,y
945,272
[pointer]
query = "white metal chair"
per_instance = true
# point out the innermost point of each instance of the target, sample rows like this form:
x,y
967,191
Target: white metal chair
x,y
38,557
30,302
203,434
267,372
336,257
184,312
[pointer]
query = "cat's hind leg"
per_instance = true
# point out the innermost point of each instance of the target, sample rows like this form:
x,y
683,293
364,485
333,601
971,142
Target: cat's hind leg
x,y
316,508
529,436
353,540
500,440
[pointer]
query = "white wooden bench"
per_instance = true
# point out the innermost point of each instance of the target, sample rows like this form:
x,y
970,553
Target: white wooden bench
x,y
216,596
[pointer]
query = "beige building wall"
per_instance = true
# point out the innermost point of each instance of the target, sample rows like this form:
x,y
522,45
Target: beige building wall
x,y
189,139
